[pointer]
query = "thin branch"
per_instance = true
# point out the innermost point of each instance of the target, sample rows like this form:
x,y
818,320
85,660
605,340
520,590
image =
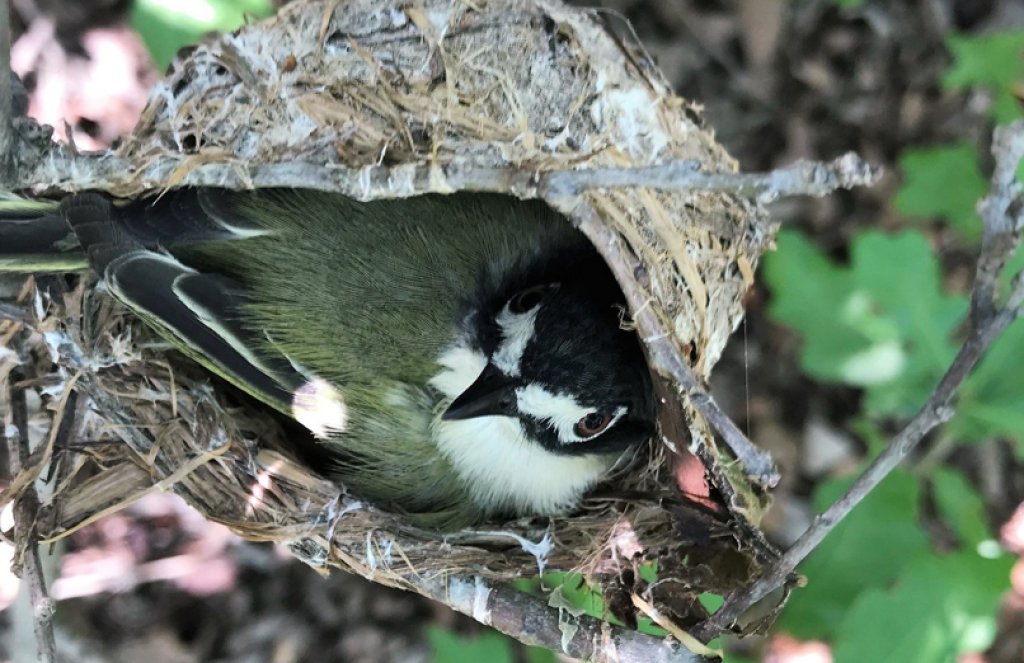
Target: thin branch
x,y
532,621
25,510
62,171
665,357
12,313
808,178
1003,222
7,157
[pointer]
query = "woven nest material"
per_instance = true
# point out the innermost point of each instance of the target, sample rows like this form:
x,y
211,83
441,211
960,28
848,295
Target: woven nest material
x,y
379,100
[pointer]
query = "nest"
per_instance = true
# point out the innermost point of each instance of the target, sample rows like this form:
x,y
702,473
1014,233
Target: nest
x,y
380,100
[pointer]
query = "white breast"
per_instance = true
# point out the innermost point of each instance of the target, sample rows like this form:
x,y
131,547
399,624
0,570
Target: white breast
x,y
501,466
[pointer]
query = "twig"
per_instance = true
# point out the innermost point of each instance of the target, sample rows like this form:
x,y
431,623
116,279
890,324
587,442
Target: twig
x,y
809,178
12,313
25,509
665,358
7,157
1002,215
62,171
532,621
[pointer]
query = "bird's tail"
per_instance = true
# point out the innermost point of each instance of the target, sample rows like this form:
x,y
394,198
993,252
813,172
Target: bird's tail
x,y
34,237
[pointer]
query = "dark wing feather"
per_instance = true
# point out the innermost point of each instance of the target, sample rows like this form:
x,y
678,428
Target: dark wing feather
x,y
203,313
183,216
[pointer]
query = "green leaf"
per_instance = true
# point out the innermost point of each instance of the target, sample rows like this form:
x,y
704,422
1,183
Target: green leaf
x,y
871,548
901,276
961,507
991,401
490,646
808,295
945,182
540,655
882,323
167,25
711,602
581,595
940,608
992,61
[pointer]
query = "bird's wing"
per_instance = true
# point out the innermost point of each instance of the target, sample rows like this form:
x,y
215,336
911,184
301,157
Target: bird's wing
x,y
204,314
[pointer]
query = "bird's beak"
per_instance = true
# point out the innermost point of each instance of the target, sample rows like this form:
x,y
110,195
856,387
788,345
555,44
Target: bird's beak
x,y
493,393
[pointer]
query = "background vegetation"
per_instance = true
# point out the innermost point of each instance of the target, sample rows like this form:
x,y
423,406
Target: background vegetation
x,y
854,318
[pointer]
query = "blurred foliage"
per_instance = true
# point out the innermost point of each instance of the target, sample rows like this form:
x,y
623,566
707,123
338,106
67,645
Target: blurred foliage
x,y
992,62
956,166
882,322
168,25
489,646
869,549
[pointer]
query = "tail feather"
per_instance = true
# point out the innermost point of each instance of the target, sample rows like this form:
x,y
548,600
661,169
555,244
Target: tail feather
x,y
34,237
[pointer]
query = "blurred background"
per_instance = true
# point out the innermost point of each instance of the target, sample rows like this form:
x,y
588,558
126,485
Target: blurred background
x,y
852,321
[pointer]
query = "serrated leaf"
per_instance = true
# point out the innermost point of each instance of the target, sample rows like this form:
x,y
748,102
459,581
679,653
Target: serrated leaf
x,y
902,276
872,547
992,61
577,592
883,323
808,295
581,595
940,608
944,182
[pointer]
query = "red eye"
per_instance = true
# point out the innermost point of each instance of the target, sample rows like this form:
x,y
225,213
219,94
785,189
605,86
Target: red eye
x,y
525,300
592,424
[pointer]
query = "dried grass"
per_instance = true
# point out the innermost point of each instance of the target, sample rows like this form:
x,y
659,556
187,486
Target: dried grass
x,y
372,90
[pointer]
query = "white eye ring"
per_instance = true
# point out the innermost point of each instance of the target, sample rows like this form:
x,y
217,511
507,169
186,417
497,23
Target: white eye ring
x,y
593,424
561,412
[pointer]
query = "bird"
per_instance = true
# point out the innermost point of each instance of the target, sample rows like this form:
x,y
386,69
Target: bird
x,y
459,358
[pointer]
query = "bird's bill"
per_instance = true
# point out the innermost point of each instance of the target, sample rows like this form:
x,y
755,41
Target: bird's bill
x,y
493,393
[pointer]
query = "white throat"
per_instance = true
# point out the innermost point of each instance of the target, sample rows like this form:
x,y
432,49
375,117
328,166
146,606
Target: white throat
x,y
501,466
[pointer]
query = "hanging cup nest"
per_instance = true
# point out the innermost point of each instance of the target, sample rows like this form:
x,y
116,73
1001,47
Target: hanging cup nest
x,y
379,100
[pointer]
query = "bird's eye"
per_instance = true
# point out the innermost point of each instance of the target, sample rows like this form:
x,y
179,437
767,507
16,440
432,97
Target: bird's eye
x,y
592,424
525,300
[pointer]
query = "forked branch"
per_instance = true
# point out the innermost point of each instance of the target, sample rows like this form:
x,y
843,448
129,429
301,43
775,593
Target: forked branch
x,y
1002,213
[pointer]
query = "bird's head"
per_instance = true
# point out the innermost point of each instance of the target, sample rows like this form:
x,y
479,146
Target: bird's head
x,y
562,361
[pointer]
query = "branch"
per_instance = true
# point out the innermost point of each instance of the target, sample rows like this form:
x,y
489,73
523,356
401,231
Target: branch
x,y
808,178
25,509
59,170
1002,213
7,158
532,621
665,358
